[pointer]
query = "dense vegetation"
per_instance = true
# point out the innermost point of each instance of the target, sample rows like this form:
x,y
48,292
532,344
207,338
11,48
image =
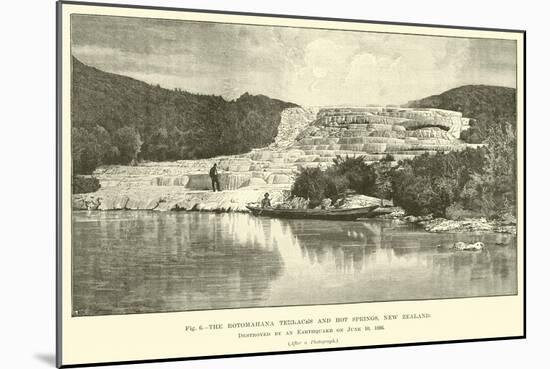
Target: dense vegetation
x,y
85,184
118,120
473,182
347,173
469,183
488,183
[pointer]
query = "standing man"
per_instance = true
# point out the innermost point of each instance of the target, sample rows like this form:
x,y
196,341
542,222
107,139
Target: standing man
x,y
214,178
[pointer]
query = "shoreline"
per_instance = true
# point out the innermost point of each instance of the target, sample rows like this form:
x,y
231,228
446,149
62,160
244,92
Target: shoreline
x,y
469,225
306,138
174,198
444,225
235,201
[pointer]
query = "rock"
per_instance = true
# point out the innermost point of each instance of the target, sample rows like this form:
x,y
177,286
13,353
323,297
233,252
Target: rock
x,y
360,201
445,124
165,206
116,202
430,132
278,179
390,134
293,122
170,181
261,155
233,181
465,225
442,225
389,212
93,203
373,147
255,182
79,203
147,203
188,202
326,204
199,182
425,218
461,246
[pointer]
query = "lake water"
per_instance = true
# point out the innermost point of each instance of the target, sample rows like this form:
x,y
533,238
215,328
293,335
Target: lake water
x,y
142,262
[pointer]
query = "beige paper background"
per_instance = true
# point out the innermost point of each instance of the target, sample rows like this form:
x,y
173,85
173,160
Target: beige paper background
x,y
160,336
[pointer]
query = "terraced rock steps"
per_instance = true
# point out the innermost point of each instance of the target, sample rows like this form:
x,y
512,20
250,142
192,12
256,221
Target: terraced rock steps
x,y
306,138
375,132
293,122
186,184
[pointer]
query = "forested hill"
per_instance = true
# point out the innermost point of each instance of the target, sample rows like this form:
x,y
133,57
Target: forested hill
x,y
118,119
488,105
486,183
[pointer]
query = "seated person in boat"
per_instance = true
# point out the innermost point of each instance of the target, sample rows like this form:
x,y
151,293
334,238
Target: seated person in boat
x,y
266,201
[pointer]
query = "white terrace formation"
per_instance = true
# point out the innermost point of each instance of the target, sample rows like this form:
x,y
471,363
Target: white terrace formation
x,y
306,138
375,132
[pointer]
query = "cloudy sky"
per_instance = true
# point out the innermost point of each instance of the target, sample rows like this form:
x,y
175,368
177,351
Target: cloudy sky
x,y
306,66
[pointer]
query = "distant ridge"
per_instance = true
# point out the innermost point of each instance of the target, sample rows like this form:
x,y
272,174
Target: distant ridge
x,y
487,105
472,100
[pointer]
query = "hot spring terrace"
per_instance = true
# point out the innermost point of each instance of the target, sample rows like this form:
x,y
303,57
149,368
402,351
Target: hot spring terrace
x,y
307,137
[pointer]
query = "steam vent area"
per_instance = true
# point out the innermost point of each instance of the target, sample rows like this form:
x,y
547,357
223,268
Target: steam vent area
x,y
307,137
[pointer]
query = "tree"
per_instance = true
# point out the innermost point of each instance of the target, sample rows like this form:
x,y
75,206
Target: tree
x,y
337,185
382,183
108,152
86,152
316,185
361,176
128,142
492,189
413,193
310,184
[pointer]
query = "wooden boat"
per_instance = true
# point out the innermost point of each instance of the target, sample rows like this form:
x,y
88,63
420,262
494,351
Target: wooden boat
x,y
329,214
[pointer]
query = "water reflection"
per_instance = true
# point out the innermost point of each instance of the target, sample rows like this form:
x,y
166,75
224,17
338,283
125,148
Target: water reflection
x,y
136,262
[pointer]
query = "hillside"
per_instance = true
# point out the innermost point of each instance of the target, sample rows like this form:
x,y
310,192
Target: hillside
x,y
117,119
487,105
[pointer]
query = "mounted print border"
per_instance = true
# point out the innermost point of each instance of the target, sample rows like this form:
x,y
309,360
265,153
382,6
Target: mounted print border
x,y
136,284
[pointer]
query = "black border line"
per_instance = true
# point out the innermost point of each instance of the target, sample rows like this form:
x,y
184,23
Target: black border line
x,y
524,173
59,317
58,184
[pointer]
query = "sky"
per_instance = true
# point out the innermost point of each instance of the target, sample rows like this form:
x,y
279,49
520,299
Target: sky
x,y
310,67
